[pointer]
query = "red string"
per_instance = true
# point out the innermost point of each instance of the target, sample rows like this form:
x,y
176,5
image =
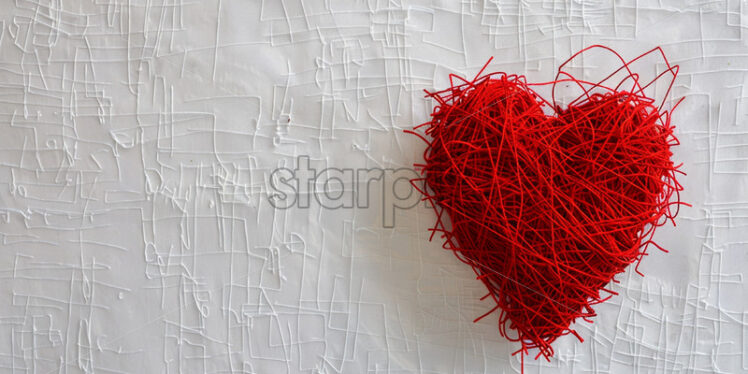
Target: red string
x,y
548,204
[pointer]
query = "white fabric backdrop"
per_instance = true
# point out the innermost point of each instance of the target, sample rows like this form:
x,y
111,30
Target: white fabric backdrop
x,y
138,140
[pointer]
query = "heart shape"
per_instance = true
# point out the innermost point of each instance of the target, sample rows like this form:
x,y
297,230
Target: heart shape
x,y
547,204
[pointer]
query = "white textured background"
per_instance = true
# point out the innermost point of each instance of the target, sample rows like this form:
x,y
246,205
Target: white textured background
x,y
136,141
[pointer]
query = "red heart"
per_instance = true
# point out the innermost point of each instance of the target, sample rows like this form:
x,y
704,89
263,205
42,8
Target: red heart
x,y
547,204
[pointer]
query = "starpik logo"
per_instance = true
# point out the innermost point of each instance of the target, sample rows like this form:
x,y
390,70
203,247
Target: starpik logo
x,y
334,188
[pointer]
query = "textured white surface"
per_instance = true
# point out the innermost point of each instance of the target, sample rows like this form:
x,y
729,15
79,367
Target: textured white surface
x,y
137,142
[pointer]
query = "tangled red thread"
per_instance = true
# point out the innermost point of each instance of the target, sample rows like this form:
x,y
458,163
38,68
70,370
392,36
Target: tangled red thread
x,y
547,203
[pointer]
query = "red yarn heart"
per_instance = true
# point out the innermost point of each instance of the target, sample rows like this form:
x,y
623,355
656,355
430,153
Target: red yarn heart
x,y
547,204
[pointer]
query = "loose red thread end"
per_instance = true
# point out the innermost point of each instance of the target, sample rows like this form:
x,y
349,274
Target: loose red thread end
x,y
547,204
